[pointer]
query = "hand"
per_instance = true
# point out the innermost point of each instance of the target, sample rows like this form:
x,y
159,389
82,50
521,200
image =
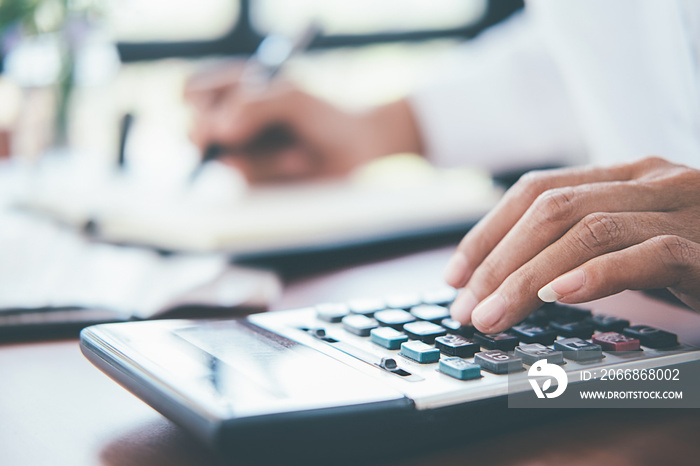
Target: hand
x,y
326,140
578,234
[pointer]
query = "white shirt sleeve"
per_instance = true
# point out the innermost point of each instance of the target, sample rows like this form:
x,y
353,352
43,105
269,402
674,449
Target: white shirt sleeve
x,y
631,70
616,80
498,102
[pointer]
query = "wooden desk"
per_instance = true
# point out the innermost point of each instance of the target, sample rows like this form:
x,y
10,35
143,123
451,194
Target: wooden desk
x,y
56,408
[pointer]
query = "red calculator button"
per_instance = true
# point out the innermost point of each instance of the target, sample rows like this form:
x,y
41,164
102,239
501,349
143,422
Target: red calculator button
x,y
613,341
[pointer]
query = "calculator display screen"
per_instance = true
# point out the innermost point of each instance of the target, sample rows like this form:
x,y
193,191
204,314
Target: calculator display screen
x,y
250,371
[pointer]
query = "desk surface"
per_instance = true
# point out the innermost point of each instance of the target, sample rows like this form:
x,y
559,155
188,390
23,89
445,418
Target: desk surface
x,y
56,408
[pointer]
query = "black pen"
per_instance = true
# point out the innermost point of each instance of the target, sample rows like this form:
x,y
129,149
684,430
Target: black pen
x,y
260,69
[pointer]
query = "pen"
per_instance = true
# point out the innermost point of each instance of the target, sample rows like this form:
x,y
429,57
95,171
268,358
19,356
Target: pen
x,y
260,69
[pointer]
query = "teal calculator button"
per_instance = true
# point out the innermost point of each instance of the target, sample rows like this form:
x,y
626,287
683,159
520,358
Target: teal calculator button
x,y
420,352
459,368
387,337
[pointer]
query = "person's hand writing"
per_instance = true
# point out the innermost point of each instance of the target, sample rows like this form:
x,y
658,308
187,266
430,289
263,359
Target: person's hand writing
x,y
579,234
325,139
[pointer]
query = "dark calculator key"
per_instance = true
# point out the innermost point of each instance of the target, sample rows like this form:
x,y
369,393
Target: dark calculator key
x,y
332,312
580,329
420,352
403,301
366,307
608,323
387,337
652,337
359,324
563,313
577,349
540,317
533,352
457,345
430,312
423,331
613,341
441,297
394,318
454,326
498,362
497,341
459,368
528,333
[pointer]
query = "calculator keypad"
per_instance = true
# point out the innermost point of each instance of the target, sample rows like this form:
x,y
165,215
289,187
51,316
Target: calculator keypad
x,y
422,331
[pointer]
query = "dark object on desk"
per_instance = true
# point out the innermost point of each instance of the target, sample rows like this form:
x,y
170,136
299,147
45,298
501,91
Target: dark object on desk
x,y
51,323
299,262
270,140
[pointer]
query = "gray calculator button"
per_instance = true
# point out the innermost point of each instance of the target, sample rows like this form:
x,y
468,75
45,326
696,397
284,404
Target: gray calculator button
x,y
498,362
423,331
394,318
359,324
533,352
430,312
577,349
332,312
441,296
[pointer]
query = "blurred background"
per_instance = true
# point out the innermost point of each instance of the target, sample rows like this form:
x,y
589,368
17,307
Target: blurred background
x,y
72,69
94,139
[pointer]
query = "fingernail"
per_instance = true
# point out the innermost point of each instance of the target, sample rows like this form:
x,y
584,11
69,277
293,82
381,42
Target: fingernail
x,y
462,306
562,286
489,312
456,270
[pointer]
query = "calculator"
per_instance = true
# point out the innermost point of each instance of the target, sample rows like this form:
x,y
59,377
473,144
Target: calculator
x,y
363,377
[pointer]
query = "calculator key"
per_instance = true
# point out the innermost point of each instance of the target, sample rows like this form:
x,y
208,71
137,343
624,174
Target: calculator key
x,y
613,341
497,341
430,312
394,318
608,323
457,345
540,317
403,301
454,326
528,333
577,349
387,337
420,352
579,329
359,324
366,307
533,352
498,362
652,337
441,296
332,312
563,313
459,368
423,331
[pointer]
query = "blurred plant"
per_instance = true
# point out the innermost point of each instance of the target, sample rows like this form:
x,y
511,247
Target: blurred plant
x,y
67,21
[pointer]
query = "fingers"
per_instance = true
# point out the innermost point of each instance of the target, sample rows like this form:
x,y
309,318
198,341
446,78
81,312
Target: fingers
x,y
662,261
477,244
244,116
548,219
595,235
289,164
